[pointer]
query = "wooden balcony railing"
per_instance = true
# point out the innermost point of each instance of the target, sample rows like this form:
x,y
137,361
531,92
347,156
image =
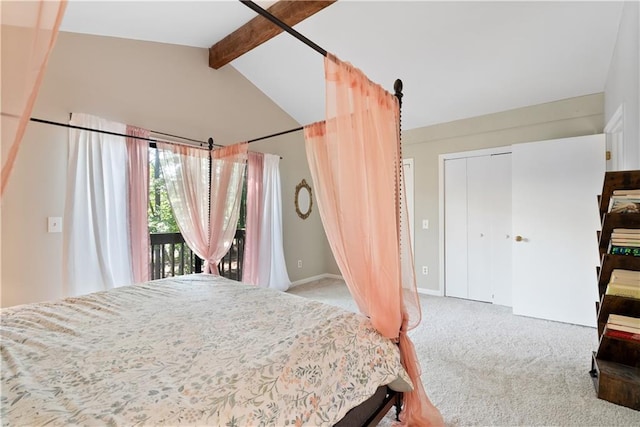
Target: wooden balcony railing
x,y
170,256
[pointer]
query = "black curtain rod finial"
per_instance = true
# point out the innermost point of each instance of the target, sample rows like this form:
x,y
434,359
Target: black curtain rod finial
x,y
397,87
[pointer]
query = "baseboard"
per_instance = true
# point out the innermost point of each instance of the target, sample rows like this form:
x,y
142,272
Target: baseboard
x,y
432,292
315,278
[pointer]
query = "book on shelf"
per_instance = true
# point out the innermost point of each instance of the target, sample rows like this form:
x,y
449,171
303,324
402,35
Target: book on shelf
x,y
625,204
622,290
625,242
625,250
623,328
633,231
622,275
633,239
622,320
618,278
625,236
626,192
625,335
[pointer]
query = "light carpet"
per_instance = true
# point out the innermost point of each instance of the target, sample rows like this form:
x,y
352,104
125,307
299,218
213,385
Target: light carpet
x,y
484,366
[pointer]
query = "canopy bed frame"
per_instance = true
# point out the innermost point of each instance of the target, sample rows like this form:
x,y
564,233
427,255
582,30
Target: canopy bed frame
x,y
373,409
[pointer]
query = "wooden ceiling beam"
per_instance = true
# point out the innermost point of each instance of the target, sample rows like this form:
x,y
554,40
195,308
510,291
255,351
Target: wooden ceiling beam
x,y
259,29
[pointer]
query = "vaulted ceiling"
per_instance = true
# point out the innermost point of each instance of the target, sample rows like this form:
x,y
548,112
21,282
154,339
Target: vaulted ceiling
x,y
456,59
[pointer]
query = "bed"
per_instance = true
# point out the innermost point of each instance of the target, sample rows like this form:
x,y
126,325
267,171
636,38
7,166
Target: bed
x,y
196,350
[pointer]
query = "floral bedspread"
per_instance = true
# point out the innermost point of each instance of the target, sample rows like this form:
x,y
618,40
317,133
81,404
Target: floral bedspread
x,y
196,350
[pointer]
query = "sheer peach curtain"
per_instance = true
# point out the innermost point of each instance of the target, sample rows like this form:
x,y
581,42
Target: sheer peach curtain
x,y
250,266
29,31
186,174
138,200
355,165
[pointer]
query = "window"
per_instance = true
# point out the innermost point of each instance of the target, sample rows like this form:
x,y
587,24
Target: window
x,y
170,255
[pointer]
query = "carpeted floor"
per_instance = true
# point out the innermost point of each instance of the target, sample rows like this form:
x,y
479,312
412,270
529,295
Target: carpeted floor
x,y
483,366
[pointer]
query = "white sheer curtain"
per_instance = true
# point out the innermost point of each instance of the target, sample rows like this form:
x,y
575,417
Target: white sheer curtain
x,y
272,269
96,247
186,174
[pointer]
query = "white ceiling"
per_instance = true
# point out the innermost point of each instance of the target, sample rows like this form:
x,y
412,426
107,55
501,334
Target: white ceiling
x,y
456,59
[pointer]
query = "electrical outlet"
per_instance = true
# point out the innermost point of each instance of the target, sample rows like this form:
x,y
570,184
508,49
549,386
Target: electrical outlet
x,y
299,263
54,224
425,270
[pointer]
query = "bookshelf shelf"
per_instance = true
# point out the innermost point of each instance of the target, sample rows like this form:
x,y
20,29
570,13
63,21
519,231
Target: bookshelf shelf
x,y
615,304
611,262
616,220
615,366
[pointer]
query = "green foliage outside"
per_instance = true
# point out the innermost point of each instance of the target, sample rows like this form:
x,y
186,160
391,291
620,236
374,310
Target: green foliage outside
x,y
161,219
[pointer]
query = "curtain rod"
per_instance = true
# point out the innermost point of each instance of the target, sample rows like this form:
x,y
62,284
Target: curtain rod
x,y
251,5
284,132
151,140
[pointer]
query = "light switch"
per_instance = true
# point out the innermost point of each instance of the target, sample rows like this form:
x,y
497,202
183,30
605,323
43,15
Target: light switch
x,y
54,224
425,224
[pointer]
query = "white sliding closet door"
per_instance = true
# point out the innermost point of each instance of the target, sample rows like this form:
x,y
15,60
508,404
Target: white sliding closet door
x,y
455,233
500,229
555,212
477,231
479,211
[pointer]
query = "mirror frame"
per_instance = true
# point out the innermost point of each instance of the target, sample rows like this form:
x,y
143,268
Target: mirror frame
x,y
303,185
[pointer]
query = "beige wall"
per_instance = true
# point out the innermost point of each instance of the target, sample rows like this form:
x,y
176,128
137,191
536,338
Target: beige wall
x,y
570,117
623,83
157,86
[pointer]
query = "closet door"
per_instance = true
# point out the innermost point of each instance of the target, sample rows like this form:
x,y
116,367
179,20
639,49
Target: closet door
x,y
455,217
501,244
477,229
479,210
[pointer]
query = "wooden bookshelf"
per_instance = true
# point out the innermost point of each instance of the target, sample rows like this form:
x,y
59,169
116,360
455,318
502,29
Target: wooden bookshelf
x,y
615,366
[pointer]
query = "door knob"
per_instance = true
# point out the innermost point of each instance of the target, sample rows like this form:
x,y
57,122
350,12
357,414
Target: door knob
x,y
518,238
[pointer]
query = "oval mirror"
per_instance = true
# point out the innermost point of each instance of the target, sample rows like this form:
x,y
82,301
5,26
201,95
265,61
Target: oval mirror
x,y
303,199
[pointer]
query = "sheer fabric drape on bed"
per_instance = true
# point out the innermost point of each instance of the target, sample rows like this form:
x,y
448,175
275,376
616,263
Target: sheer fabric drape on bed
x,y
186,172
29,31
355,163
